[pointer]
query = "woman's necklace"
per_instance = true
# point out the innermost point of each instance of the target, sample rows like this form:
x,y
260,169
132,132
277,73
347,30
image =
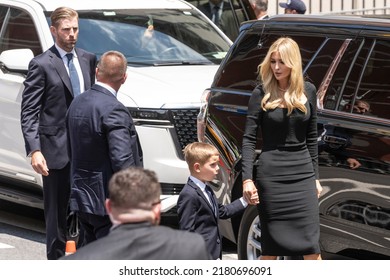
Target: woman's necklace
x,y
282,89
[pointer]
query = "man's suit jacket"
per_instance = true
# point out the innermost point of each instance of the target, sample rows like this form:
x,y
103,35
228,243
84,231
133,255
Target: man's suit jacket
x,y
102,140
46,98
143,241
206,9
197,215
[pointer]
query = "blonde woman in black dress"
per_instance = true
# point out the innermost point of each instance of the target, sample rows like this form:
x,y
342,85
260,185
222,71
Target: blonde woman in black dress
x,y
283,107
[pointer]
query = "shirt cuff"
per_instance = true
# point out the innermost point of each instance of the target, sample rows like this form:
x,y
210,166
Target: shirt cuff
x,y
244,203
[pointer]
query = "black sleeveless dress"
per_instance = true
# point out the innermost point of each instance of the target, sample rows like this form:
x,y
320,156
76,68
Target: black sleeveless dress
x,y
285,175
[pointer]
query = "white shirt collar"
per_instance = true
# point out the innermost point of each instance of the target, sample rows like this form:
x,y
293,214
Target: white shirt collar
x,y
63,53
263,16
107,87
199,183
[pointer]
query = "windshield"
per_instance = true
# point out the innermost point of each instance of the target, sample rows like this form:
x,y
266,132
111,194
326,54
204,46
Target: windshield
x,y
152,37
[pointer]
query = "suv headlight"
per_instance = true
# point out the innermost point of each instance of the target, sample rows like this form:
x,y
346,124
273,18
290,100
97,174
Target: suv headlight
x,y
149,116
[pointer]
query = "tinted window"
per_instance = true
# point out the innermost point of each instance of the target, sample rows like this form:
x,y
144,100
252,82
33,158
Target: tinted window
x,y
19,33
234,13
373,94
360,84
344,78
319,66
240,71
3,13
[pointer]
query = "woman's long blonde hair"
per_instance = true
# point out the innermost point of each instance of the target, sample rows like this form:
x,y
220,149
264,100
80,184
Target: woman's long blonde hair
x,y
291,57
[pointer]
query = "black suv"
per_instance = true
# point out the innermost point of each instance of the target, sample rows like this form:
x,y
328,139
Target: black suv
x,y
348,60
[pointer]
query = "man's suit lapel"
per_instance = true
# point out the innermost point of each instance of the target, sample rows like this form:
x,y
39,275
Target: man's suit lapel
x,y
60,68
84,65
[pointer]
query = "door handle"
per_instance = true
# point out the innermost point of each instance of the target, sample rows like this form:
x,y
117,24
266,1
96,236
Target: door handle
x,y
335,141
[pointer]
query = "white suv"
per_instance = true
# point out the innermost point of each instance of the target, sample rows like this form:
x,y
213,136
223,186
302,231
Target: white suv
x,y
173,52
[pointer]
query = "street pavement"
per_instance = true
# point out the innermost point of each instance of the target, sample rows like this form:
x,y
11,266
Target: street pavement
x,y
23,238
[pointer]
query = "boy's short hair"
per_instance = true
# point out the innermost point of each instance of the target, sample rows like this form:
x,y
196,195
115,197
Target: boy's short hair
x,y
199,152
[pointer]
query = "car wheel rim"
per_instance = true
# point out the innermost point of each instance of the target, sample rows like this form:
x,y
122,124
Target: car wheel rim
x,y
253,242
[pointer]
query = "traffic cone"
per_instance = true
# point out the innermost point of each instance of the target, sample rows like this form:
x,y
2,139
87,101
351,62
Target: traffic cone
x,y
70,247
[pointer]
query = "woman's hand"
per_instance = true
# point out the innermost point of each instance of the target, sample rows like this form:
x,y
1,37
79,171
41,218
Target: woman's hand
x,y
249,192
319,188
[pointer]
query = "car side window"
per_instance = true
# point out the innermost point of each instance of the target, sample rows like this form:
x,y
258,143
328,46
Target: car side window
x,y
344,78
365,88
372,97
3,13
19,32
252,49
319,66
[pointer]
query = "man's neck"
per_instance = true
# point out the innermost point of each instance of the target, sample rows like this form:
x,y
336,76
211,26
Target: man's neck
x,y
261,14
134,216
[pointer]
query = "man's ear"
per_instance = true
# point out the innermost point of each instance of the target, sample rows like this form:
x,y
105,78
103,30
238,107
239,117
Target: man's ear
x,y
53,31
157,213
108,206
124,78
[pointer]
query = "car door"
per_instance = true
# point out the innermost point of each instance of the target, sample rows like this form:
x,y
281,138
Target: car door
x,y
17,32
354,151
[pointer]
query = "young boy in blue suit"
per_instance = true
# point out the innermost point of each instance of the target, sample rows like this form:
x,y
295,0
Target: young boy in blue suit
x,y
197,207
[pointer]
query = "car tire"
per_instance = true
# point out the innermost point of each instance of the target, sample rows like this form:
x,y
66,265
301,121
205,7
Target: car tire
x,y
248,245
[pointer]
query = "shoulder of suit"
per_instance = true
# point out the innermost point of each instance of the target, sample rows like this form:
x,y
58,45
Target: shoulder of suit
x,y
84,52
49,52
187,188
182,234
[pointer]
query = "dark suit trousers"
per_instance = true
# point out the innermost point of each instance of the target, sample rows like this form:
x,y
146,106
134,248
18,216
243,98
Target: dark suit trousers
x,y
56,193
94,226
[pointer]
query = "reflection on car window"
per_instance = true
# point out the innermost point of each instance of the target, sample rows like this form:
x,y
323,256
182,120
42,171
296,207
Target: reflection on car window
x,y
150,37
343,79
363,80
319,66
374,87
19,32
253,48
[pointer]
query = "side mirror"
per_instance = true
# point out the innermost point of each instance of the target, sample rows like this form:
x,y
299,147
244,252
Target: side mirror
x,y
16,61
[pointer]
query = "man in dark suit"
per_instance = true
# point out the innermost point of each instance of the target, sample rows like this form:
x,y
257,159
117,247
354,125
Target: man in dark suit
x,y
102,141
214,10
197,206
47,95
260,8
221,14
134,208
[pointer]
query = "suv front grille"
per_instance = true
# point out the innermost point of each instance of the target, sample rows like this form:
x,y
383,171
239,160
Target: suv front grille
x,y
171,189
184,121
